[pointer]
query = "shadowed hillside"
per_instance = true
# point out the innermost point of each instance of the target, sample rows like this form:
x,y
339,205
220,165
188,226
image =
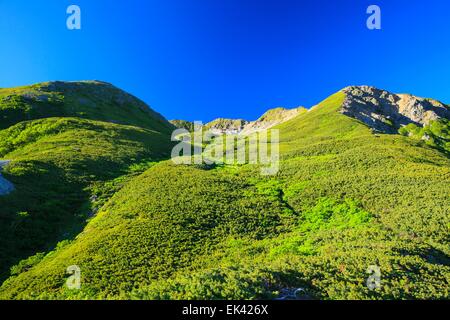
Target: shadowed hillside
x,y
66,143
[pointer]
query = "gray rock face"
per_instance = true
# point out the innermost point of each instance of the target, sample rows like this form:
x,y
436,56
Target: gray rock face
x,y
6,187
268,120
226,126
386,112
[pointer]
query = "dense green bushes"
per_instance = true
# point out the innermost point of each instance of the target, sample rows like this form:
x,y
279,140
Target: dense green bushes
x,y
61,169
217,283
156,225
328,214
435,134
343,200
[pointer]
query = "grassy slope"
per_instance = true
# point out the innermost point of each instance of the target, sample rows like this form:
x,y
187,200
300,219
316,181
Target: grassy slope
x,y
63,167
183,124
343,200
56,162
280,114
92,100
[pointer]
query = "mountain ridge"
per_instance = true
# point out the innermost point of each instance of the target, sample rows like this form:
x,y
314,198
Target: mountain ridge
x,y
387,112
381,110
95,100
346,197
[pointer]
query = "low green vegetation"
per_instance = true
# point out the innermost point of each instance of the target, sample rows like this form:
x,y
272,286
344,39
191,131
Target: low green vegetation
x,y
435,134
344,199
58,167
278,115
183,124
92,100
63,168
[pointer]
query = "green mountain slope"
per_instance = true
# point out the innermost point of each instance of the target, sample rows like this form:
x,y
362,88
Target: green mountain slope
x,y
92,100
272,118
62,168
183,124
345,199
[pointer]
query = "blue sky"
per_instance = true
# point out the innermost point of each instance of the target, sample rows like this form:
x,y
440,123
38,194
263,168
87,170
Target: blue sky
x,y
202,59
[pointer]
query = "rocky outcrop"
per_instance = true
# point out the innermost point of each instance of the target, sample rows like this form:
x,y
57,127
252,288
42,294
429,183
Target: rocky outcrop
x,y
6,187
268,120
381,110
183,124
226,126
386,112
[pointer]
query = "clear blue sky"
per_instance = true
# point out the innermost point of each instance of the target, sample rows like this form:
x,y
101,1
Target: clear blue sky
x,y
201,59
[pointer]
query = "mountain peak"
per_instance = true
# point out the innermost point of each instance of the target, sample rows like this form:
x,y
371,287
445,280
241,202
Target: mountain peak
x,y
271,118
222,125
92,99
386,112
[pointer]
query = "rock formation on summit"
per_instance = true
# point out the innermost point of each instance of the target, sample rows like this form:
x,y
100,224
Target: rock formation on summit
x,y
386,112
